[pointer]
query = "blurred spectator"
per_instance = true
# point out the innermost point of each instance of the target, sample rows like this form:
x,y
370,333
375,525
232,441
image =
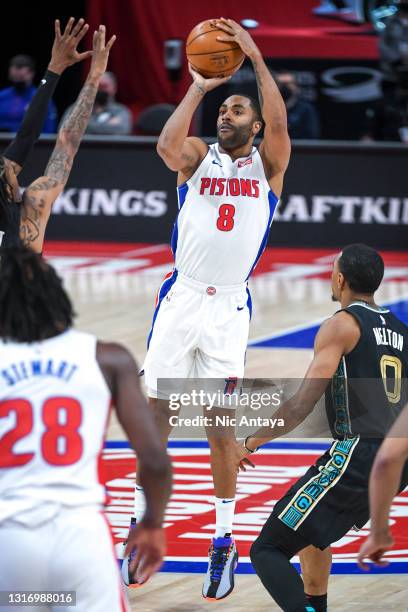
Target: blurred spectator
x,y
394,45
14,100
328,8
303,121
108,116
387,119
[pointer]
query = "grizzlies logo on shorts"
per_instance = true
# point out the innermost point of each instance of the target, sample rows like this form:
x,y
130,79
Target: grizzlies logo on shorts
x,y
314,490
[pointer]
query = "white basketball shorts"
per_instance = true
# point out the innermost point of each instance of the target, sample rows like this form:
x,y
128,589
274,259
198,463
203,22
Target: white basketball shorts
x,y
71,552
199,331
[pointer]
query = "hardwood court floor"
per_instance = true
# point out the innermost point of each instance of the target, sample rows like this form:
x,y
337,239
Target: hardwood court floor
x,y
114,297
182,593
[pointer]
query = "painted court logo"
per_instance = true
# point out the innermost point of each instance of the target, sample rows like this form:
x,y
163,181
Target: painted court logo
x,y
190,514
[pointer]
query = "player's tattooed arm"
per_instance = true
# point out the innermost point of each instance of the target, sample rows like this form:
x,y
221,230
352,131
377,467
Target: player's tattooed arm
x,y
30,222
69,139
42,193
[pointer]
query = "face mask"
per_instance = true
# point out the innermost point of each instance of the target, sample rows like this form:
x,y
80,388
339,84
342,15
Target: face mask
x,y
101,98
20,86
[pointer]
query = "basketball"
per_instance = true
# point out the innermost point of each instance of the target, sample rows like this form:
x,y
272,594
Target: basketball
x,y
209,56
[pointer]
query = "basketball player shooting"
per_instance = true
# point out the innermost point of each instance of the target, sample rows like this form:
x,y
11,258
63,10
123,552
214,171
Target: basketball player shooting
x,y
24,219
227,195
56,388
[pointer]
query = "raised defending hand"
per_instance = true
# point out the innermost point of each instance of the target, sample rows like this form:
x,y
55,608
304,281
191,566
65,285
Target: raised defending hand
x,y
100,52
64,50
203,84
236,33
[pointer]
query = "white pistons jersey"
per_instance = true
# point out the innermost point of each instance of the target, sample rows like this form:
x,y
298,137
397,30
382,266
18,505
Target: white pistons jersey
x,y
225,212
54,407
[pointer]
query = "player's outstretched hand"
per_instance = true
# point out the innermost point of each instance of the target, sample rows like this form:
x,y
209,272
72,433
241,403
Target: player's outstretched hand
x,y
374,548
204,84
149,543
100,51
64,50
241,458
236,33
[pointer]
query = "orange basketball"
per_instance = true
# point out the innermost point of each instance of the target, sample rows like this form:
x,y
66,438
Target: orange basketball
x,y
209,56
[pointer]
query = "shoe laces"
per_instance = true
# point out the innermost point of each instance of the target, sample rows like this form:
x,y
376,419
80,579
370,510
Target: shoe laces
x,y
219,557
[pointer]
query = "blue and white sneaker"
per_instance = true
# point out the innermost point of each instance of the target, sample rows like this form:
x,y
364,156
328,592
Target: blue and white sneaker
x,y
222,563
126,577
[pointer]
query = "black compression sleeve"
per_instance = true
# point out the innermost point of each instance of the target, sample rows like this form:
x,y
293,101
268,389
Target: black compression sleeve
x,y
30,129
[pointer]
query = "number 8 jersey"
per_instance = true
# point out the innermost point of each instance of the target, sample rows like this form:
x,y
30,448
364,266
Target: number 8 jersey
x,y
54,408
225,212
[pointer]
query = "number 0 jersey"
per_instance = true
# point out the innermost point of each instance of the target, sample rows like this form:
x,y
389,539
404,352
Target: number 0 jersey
x,y
225,212
54,407
369,388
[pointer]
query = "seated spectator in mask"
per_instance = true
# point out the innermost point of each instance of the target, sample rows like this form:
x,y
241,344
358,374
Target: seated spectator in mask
x,y
15,100
108,117
303,121
393,47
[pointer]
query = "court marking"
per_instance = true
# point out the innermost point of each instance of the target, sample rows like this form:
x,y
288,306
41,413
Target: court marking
x,y
276,263
193,450
302,336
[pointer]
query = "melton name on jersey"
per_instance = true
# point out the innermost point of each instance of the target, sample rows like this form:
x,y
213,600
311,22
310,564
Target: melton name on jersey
x,y
225,212
369,388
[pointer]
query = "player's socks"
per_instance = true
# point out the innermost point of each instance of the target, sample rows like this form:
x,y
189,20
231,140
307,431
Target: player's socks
x,y
140,503
319,602
224,516
126,576
140,507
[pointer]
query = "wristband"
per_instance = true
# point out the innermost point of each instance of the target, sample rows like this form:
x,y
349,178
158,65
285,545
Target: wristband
x,y
248,449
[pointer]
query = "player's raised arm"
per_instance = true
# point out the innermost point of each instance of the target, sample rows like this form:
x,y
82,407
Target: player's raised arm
x,y
42,193
336,337
385,482
275,147
63,54
180,152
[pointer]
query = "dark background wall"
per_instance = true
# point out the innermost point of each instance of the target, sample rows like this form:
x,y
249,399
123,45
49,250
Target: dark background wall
x,y
289,35
29,28
334,194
